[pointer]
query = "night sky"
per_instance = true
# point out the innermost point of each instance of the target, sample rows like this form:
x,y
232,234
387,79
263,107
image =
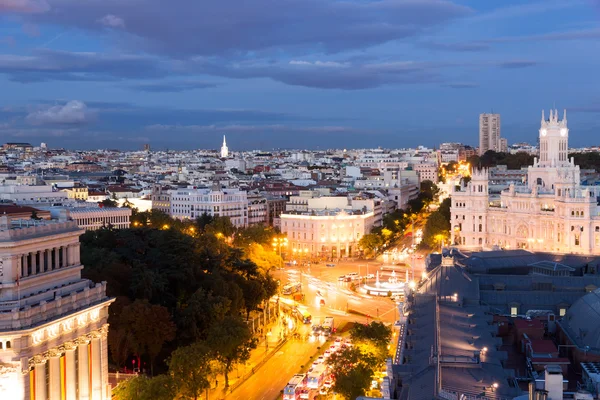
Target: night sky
x,y
293,73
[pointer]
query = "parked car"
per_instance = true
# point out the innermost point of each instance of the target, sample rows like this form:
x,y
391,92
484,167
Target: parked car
x,y
342,278
322,302
330,265
370,276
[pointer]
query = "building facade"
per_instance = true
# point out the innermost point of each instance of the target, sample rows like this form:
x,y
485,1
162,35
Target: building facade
x,y
161,199
331,233
53,323
94,218
257,209
426,171
489,133
191,203
551,211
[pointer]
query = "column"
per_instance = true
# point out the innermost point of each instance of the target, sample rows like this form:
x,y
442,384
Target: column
x,y
96,368
104,360
70,371
56,259
54,369
33,263
48,256
24,266
84,372
42,261
40,378
65,263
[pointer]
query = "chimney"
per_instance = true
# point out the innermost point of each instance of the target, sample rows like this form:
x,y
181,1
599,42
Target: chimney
x,y
553,380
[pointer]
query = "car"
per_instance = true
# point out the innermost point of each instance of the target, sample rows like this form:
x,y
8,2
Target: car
x,y
328,383
320,360
338,342
304,394
315,363
327,353
322,302
333,348
323,390
370,276
330,265
342,278
348,279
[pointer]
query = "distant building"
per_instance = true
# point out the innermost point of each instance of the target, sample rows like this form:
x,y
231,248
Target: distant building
x,y
489,133
224,149
18,146
32,195
190,203
161,198
257,209
426,171
53,323
15,212
94,218
77,192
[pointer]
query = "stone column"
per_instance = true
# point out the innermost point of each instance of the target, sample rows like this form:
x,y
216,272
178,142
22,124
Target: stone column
x,y
84,372
96,367
70,370
70,251
25,266
104,360
54,369
33,263
56,258
40,378
65,262
48,255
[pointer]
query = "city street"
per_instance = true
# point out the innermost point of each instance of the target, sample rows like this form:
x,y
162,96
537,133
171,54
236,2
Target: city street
x,y
318,282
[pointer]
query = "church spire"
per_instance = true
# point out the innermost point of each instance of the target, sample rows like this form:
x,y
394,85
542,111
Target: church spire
x,y
224,149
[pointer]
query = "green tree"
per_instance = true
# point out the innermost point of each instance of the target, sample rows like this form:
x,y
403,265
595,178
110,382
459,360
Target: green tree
x,y
141,387
353,371
150,327
109,203
221,226
376,333
255,234
437,227
191,369
371,243
231,342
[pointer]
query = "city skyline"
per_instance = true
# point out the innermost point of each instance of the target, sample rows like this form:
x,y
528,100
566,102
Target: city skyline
x,y
348,75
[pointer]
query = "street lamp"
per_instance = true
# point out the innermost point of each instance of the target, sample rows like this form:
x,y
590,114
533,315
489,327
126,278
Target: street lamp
x,y
278,243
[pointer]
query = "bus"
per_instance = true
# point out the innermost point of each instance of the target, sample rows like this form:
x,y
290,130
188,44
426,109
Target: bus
x,y
304,316
292,288
328,324
294,387
317,376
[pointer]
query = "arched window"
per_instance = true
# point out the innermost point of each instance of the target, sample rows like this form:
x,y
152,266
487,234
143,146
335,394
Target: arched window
x,y
8,345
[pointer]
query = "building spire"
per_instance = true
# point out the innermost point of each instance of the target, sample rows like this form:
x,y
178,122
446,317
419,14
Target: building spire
x,y
224,149
565,115
543,117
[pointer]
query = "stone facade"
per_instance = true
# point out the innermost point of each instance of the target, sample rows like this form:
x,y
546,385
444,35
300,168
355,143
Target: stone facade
x,y
53,323
551,211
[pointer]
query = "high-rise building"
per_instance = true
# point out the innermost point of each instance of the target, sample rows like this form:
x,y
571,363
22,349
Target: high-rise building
x,y
224,149
489,133
53,323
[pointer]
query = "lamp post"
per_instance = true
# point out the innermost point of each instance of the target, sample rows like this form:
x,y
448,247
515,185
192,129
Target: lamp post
x,y
278,243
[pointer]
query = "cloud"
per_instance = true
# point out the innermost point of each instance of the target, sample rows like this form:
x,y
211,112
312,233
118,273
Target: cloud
x,y
74,112
249,128
461,85
530,8
517,64
23,6
460,47
8,40
170,86
112,21
217,27
47,65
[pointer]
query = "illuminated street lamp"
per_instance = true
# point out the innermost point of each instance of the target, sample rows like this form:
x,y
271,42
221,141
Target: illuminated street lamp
x,y
278,243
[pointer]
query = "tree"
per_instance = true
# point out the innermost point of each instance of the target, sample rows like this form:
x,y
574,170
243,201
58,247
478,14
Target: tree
x,y
141,387
191,368
109,203
150,327
221,226
429,190
255,234
376,332
353,371
437,227
371,242
231,342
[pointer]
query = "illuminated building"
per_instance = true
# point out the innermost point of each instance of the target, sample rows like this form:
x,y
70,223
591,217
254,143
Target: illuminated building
x,y
552,211
52,322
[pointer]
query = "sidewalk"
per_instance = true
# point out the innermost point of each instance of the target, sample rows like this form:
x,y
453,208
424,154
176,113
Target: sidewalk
x,y
270,339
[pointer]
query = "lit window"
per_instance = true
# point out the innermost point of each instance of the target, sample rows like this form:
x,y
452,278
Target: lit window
x,y
513,311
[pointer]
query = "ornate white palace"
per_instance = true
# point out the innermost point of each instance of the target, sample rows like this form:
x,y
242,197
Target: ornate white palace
x,y
551,212
52,322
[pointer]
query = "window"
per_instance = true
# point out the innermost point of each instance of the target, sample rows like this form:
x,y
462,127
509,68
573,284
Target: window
x,y
514,311
562,311
8,346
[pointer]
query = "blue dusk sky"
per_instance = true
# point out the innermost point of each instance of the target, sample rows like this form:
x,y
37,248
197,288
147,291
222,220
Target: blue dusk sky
x,y
293,73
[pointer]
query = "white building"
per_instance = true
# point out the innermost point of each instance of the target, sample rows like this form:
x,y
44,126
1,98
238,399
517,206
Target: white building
x,y
426,171
94,218
331,233
489,133
552,211
53,323
25,195
224,149
191,203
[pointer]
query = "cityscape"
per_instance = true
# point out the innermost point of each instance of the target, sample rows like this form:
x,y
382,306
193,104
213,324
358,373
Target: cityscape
x,y
283,200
